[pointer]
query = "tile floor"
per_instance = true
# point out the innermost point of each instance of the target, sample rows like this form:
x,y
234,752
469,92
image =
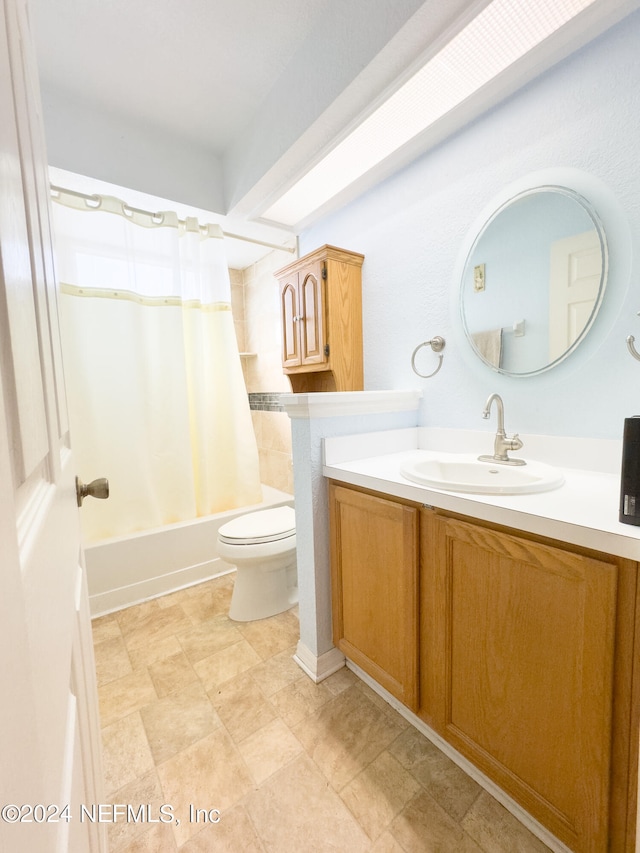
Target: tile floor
x,y
198,711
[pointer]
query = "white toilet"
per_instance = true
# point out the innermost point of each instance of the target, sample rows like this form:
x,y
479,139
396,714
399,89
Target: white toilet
x,y
262,547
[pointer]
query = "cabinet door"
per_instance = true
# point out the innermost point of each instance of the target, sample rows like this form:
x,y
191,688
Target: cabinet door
x,y
312,326
518,655
290,322
374,545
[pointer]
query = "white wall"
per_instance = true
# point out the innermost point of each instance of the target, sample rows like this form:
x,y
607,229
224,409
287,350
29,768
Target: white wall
x,y
86,140
583,115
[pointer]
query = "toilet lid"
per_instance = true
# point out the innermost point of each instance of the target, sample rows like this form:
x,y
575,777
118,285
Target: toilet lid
x,y
267,525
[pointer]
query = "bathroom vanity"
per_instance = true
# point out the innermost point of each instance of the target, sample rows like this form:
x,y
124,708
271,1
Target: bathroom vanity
x,y
508,624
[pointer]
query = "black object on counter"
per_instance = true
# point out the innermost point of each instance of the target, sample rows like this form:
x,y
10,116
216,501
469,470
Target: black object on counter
x,y
630,474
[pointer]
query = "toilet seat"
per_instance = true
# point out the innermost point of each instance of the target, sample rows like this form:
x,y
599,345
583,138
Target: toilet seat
x,y
269,525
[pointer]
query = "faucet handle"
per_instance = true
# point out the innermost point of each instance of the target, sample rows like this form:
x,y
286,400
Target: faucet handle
x,y
515,442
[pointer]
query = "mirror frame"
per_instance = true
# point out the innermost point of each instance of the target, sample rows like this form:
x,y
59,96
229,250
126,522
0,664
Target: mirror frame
x,y
597,224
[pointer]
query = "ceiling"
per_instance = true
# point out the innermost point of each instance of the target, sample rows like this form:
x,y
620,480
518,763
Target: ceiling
x,y
201,65
222,104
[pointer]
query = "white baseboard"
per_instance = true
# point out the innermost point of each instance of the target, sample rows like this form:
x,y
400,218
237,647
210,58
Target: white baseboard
x,y
318,668
135,593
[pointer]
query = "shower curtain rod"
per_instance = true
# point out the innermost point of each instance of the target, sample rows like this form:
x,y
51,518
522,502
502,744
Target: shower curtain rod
x,y
57,191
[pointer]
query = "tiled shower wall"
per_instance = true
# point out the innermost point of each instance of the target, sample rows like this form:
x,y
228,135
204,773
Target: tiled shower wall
x,y
256,312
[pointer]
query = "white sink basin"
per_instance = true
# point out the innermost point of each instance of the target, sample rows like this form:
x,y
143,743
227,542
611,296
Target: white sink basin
x,y
464,473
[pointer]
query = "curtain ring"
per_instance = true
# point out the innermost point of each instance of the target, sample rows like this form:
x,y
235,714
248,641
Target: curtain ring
x,y
437,344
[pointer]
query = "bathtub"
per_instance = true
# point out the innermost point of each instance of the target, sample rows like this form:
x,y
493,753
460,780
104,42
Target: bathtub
x,y
126,570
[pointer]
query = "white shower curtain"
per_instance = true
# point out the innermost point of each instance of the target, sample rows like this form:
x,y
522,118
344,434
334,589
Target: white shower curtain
x,y
157,400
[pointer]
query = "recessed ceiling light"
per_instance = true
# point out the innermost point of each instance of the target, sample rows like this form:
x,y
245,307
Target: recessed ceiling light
x,y
503,32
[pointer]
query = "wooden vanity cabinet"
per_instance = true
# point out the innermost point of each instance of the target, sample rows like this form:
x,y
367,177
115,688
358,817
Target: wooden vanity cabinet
x,y
524,658
374,587
321,309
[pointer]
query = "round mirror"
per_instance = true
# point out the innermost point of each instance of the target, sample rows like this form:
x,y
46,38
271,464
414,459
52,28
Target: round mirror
x,y
533,280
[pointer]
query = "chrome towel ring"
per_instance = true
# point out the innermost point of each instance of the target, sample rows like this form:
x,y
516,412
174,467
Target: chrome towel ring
x,y
437,344
634,352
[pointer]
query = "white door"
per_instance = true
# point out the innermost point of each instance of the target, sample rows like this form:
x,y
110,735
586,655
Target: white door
x,y
574,284
49,753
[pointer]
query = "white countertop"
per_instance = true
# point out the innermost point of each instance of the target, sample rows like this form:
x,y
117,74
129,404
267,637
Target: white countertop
x,y
583,511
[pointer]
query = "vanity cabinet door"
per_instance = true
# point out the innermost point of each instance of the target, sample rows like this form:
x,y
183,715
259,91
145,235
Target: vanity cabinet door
x,y
518,642
374,578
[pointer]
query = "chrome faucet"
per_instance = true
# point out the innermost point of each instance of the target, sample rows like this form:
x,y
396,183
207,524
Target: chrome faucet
x,y
502,443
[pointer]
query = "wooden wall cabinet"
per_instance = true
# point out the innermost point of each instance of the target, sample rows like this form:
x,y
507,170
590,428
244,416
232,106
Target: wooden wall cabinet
x,y
321,308
527,653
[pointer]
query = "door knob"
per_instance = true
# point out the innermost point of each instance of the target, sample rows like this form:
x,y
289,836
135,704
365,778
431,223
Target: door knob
x,y
95,489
